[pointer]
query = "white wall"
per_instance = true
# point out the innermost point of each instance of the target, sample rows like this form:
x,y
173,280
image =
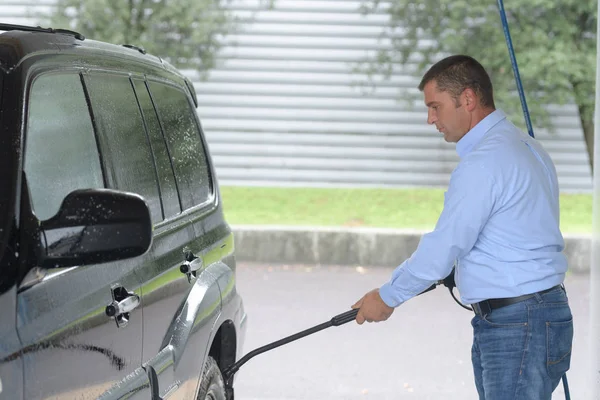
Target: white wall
x,y
283,108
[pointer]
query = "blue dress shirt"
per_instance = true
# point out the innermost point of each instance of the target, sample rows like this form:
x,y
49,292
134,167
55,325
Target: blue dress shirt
x,y
499,225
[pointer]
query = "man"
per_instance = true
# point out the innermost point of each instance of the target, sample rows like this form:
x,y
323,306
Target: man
x,y
500,228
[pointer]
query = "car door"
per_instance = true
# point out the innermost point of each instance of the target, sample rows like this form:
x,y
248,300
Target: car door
x,y
140,162
129,155
180,309
73,347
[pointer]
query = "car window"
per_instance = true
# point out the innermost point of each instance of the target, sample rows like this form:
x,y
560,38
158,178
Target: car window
x,y
166,178
123,141
177,117
61,153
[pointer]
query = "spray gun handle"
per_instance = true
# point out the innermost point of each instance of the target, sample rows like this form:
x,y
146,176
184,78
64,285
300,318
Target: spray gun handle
x,y
344,317
351,315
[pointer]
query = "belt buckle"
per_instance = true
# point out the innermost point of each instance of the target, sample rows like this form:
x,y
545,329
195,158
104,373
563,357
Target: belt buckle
x,y
482,308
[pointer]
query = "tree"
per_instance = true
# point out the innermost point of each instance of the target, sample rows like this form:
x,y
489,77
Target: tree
x,y
554,43
187,33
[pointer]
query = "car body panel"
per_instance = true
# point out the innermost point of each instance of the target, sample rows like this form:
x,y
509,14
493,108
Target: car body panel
x,y
11,361
62,320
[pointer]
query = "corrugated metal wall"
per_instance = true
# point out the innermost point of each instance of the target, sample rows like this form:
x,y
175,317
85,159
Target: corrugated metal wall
x,y
283,106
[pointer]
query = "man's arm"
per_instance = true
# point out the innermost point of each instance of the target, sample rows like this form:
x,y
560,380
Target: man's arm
x,y
468,205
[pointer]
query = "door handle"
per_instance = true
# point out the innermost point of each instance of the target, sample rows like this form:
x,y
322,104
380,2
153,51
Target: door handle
x,y
190,268
123,303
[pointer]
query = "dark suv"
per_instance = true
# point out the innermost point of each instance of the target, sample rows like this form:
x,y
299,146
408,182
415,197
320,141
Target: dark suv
x,y
117,268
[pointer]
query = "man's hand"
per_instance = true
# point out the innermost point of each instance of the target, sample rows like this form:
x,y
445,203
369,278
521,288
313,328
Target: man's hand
x,y
372,308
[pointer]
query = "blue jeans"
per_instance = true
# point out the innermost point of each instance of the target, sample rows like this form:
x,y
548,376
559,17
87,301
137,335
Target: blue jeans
x,y
521,351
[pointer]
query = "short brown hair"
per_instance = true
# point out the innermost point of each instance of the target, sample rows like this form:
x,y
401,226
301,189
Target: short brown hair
x,y
456,73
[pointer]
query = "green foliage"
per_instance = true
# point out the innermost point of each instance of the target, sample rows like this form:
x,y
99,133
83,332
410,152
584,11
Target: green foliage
x,y
554,42
187,33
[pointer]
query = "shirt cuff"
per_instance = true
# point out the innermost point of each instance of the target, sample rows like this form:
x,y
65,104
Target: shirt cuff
x,y
386,292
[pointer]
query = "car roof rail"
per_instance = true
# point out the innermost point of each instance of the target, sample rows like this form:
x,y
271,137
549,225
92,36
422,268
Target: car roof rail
x,y
131,46
13,27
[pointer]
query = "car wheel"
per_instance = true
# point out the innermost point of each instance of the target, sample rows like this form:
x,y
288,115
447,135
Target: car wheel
x,y
211,386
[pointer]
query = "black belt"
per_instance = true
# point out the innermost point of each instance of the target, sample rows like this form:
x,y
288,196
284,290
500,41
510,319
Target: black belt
x,y
486,306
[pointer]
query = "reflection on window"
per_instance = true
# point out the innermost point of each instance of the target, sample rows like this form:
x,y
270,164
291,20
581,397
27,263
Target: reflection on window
x,y
61,153
166,179
183,138
124,142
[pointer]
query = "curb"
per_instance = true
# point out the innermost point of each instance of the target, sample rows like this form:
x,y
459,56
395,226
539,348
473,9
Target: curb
x,y
355,246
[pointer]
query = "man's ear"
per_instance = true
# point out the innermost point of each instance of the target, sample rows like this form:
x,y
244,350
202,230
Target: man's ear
x,y
469,99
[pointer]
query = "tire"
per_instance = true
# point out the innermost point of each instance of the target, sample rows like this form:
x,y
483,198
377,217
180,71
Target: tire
x,y
212,386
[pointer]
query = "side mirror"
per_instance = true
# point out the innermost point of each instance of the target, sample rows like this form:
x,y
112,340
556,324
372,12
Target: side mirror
x,y
96,226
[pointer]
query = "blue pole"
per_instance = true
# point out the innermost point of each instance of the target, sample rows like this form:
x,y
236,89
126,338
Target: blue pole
x,y
515,68
513,61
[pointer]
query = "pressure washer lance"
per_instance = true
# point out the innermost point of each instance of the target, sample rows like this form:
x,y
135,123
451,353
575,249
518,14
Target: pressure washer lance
x,y
231,370
338,320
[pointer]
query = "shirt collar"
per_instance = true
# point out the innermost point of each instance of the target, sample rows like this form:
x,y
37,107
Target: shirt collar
x,y
471,138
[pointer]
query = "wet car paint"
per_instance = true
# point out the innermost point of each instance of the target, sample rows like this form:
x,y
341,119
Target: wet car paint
x,y
63,344
63,321
11,363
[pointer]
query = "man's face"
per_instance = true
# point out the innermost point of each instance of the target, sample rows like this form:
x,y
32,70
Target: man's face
x,y
451,120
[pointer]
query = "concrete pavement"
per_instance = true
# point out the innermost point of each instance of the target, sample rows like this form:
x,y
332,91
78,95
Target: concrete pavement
x,y
354,246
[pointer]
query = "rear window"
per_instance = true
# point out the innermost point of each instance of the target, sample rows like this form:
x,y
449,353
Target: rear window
x,y
123,140
184,142
166,177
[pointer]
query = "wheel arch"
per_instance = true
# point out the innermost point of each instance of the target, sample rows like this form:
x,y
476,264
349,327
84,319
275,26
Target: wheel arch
x,y
224,345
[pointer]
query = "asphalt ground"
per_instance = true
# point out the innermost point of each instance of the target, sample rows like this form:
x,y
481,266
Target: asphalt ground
x,y
421,352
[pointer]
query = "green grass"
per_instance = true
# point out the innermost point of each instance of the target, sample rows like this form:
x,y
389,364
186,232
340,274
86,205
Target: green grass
x,y
384,208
